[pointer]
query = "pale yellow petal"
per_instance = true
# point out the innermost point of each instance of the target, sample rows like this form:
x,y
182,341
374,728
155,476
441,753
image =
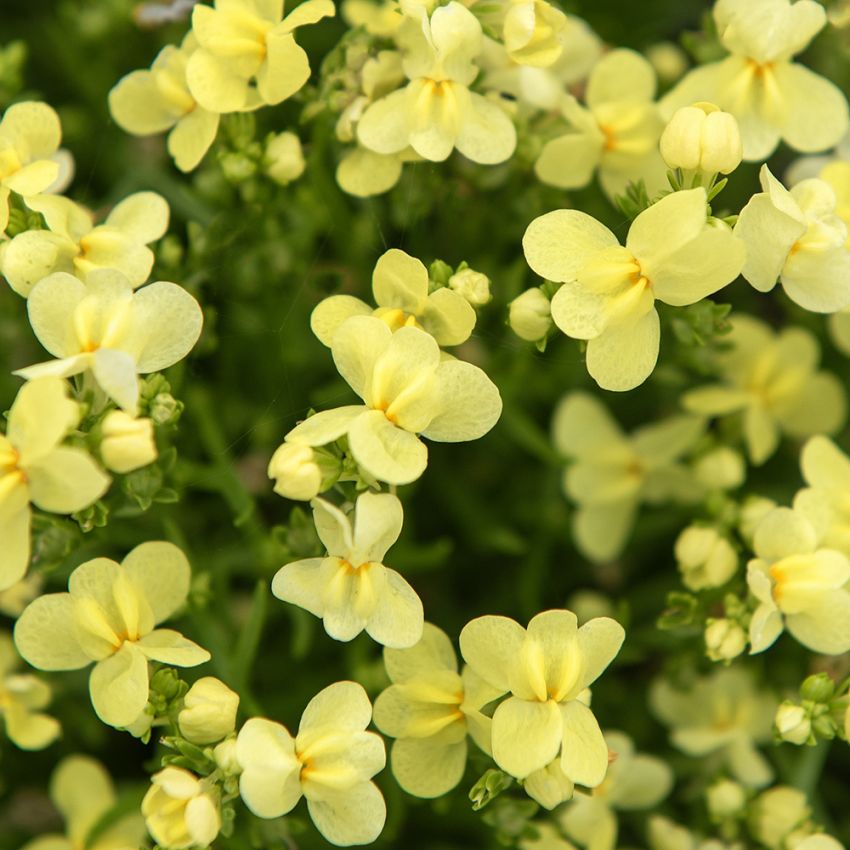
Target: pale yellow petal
x,y
214,85
170,647
602,531
526,735
82,790
331,312
45,634
325,427
192,137
66,480
352,816
385,126
118,686
162,573
269,785
599,641
434,651
621,75
144,216
356,347
364,173
569,161
286,67
782,533
41,416
623,357
385,451
398,618
343,706
426,769
486,135
491,645
584,754
51,307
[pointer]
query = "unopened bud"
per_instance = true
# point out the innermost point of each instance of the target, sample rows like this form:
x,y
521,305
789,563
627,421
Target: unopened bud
x,y
724,640
209,711
705,558
296,472
128,443
284,158
702,138
725,799
472,285
530,315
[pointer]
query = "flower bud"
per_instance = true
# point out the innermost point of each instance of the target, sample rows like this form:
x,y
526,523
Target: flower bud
x,y
209,711
179,812
724,640
225,757
793,723
530,315
818,687
725,799
668,59
128,443
705,558
721,469
284,159
702,138
296,473
753,511
472,285
775,813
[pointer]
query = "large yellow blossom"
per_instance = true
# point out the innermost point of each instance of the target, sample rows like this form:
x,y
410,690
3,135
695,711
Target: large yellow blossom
x,y
148,102
608,296
329,762
36,468
400,288
72,243
616,133
430,709
108,617
436,112
82,790
351,589
772,97
105,327
408,389
544,669
799,238
611,473
799,586
247,54
773,381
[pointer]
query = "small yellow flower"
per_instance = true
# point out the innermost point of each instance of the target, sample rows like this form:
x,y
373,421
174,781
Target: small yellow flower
x,y
72,243
430,709
350,588
108,618
798,586
180,811
209,711
772,97
105,327
705,557
82,790
283,159
702,138
329,762
408,389
296,473
773,380
36,468
400,289
544,669
532,32
672,254
127,443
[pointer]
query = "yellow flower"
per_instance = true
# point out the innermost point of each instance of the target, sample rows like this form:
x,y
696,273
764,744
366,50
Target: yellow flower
x,y
408,389
82,791
616,133
35,468
146,103
30,134
209,711
773,381
702,138
798,586
180,811
635,781
400,289
72,243
108,618
105,327
772,97
798,238
544,668
612,473
329,762
364,173
724,714
436,112
608,295
532,31
350,588
127,443
21,698
247,54
705,557
430,709
295,470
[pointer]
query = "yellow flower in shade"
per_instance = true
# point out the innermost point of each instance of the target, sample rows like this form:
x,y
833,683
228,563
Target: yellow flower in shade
x,y
825,503
180,810
773,381
21,699
799,586
532,32
108,617
608,296
30,134
612,473
724,715
400,289
73,244
635,781
247,54
105,327
616,133
36,468
350,588
82,790
430,709
149,102
408,389
798,238
544,669
329,762
772,97
436,112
